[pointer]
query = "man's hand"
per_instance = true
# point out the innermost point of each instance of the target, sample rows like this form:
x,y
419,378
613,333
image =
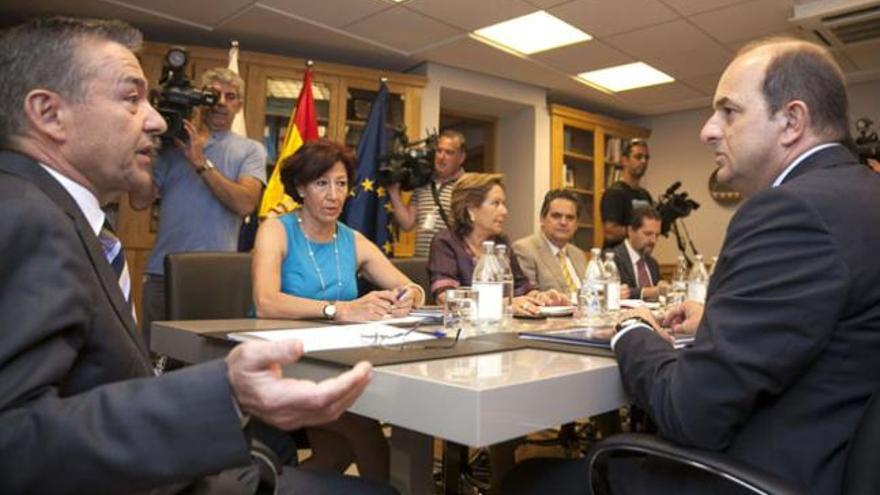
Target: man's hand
x,y
648,316
194,149
552,297
684,318
288,403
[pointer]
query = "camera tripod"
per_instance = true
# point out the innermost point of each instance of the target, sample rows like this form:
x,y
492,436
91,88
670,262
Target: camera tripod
x,y
684,241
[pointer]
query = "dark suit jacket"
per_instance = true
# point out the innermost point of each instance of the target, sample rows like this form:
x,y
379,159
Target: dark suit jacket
x,y
627,276
79,407
541,267
788,351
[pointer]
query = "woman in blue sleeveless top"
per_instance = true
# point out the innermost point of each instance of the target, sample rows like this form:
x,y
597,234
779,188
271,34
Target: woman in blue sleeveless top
x,y
306,265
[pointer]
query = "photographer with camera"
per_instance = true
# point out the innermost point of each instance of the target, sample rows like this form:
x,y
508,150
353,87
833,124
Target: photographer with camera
x,y
619,200
208,179
429,207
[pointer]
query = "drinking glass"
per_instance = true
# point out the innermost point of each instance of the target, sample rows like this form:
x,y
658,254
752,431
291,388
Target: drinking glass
x,y
460,311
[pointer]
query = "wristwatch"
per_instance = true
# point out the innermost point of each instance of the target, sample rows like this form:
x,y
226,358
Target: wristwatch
x,y
632,321
329,310
206,167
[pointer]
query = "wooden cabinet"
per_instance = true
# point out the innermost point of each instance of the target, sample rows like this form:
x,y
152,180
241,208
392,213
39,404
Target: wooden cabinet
x,y
342,97
586,149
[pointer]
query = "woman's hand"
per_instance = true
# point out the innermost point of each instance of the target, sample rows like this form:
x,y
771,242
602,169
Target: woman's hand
x,y
373,306
405,300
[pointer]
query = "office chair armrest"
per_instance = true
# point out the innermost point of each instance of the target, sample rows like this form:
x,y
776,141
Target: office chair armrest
x,y
715,463
269,466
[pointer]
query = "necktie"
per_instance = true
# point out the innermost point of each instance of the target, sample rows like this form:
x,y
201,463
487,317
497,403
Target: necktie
x,y
644,277
115,255
566,275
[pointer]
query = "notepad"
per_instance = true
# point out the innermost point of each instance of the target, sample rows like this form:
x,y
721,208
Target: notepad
x,y
331,337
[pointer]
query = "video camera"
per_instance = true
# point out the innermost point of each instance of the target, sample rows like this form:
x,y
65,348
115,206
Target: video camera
x,y
672,206
868,143
409,164
175,98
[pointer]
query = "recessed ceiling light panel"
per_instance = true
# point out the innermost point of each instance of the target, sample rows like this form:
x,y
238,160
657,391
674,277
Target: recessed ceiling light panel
x,y
532,33
626,77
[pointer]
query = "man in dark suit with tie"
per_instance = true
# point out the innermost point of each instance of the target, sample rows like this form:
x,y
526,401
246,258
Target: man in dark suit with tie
x,y
786,353
638,269
80,411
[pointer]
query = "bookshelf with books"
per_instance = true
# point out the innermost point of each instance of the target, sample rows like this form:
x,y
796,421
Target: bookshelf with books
x,y
585,158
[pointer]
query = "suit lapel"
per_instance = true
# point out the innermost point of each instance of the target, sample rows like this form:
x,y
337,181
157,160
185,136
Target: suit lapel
x,y
547,258
625,268
30,170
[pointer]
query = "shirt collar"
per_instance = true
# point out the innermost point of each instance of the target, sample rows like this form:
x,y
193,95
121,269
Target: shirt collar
x,y
634,256
800,159
85,200
553,247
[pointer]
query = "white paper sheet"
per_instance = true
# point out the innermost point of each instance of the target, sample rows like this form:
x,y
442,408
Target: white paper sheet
x,y
338,336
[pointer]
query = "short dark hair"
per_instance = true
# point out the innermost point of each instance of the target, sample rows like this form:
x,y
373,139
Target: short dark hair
x,y
470,191
45,53
640,213
629,144
554,194
800,70
312,160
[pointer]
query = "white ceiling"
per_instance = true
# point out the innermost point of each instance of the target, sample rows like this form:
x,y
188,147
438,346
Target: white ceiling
x,y
692,40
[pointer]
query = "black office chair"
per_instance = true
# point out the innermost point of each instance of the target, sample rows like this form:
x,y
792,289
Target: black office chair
x,y
207,285
417,271
861,475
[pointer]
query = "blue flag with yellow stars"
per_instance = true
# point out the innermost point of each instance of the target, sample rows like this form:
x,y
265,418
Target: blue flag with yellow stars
x,y
367,207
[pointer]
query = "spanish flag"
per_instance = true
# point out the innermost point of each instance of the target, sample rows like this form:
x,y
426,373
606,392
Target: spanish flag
x,y
303,127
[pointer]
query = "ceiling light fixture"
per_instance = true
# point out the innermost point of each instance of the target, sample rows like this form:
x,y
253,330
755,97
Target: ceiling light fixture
x,y
626,77
532,33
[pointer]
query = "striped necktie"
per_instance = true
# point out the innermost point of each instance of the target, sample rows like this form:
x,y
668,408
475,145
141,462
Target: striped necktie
x,y
566,274
115,255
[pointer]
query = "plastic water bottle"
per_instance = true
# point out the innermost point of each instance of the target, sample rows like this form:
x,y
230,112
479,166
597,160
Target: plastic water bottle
x,y
503,257
678,289
698,281
488,282
591,301
612,286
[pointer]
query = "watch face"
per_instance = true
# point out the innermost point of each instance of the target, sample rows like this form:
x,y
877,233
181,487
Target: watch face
x,y
329,311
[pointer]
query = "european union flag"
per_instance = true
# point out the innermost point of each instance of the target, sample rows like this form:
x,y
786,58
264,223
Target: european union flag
x,y
367,208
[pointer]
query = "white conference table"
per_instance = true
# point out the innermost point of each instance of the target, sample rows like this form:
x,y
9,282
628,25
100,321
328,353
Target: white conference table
x,y
474,401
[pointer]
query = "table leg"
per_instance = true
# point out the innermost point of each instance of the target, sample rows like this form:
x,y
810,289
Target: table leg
x,y
412,462
455,461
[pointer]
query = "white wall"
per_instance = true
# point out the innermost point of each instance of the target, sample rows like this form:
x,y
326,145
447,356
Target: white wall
x,y
678,154
523,139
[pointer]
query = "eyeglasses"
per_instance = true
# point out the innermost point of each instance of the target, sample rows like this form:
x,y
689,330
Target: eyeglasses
x,y
397,341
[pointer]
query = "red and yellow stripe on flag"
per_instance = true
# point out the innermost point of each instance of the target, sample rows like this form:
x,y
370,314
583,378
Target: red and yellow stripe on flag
x,y
303,127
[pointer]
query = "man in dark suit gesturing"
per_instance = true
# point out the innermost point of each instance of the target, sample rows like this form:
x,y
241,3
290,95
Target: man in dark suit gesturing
x,y
80,411
787,349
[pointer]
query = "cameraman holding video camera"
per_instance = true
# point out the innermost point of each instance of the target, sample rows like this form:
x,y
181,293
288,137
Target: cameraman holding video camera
x,y
208,180
619,200
426,210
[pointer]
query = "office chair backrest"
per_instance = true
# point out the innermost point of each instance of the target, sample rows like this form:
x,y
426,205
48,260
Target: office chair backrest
x,y
417,271
208,285
862,475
